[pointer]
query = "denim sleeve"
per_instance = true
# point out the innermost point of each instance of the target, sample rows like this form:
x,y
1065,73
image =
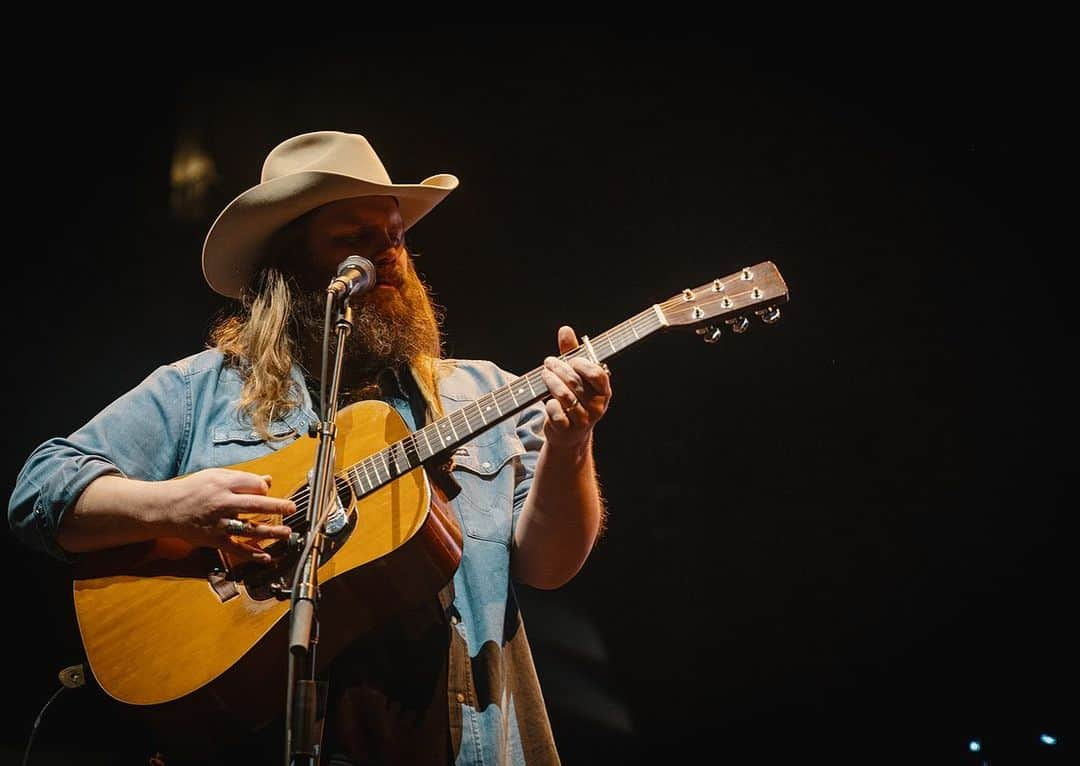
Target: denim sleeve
x,y
141,435
530,429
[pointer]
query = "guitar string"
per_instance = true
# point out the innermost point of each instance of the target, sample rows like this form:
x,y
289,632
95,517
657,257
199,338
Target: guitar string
x,y
345,486
619,333
301,496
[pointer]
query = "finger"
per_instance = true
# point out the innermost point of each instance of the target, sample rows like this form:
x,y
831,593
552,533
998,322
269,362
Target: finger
x,y
558,389
557,415
260,504
594,375
245,551
266,531
567,339
243,482
566,373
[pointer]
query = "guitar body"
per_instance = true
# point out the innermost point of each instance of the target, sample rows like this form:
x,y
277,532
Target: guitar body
x,y
170,626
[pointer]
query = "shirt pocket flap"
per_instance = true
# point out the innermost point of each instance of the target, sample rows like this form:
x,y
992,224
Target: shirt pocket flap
x,y
248,435
488,459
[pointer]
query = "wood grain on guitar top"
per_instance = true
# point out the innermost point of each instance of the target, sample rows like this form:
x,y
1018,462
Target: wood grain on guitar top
x,y
155,630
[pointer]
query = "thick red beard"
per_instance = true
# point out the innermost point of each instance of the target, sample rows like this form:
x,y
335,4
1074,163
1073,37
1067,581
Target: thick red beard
x,y
393,325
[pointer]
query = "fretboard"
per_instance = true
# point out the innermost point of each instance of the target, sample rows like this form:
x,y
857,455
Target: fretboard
x,y
461,425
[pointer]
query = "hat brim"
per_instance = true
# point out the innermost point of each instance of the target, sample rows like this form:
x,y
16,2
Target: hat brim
x,y
234,245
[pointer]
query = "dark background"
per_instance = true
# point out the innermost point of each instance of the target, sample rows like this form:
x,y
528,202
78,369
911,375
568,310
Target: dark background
x,y
841,537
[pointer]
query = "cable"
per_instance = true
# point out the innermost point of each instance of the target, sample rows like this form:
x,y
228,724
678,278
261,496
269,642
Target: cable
x,y
70,678
29,742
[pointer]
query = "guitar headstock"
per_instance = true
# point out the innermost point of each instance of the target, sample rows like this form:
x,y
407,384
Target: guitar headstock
x,y
755,290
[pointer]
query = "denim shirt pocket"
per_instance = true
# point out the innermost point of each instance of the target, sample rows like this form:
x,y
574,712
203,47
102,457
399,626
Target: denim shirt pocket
x,y
484,470
237,443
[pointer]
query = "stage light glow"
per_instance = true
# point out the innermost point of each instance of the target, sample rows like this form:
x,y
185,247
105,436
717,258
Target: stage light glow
x,y
1046,739
974,746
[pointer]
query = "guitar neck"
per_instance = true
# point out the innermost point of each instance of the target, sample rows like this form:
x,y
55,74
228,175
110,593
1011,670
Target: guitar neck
x,y
447,433
757,289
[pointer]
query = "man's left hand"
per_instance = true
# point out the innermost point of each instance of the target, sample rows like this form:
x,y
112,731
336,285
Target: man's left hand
x,y
580,395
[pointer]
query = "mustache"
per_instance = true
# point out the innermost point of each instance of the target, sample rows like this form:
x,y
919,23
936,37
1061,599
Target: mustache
x,y
390,327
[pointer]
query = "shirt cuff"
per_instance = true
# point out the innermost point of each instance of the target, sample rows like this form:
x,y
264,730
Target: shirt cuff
x,y
60,494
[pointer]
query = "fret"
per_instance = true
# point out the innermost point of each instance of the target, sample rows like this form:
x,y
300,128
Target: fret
x,y
510,388
446,422
412,458
610,338
648,322
355,479
372,470
405,464
540,381
587,344
367,474
427,438
386,465
463,427
344,491
470,426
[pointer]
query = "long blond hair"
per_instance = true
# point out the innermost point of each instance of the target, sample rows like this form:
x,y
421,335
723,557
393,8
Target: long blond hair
x,y
261,343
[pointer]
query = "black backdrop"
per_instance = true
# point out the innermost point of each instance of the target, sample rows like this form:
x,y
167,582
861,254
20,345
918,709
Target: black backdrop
x,y
838,537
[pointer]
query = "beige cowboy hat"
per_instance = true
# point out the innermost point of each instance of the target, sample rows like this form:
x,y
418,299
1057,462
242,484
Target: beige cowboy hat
x,y
299,175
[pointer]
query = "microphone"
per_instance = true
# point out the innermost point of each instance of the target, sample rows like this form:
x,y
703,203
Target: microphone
x,y
355,275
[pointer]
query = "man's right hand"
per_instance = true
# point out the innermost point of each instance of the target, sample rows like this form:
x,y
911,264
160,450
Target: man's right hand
x,y
114,510
207,500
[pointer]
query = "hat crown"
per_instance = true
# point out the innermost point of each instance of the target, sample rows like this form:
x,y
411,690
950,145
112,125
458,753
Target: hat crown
x,y
326,151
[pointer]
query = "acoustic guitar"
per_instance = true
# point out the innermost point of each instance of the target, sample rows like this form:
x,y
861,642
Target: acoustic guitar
x,y
164,623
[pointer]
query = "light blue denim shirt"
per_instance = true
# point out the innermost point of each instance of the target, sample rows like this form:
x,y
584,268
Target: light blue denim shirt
x,y
183,418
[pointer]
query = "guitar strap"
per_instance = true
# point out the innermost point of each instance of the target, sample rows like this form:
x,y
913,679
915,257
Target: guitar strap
x,y
439,467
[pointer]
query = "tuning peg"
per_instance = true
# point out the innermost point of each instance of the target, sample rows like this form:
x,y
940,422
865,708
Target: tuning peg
x,y
739,324
770,315
709,333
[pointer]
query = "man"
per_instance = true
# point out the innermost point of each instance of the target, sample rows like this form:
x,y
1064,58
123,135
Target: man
x,y
452,681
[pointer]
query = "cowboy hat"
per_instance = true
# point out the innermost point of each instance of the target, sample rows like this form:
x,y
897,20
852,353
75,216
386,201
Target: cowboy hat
x,y
299,175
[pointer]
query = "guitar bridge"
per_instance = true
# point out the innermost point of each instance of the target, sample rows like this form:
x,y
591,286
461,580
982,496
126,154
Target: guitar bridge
x,y
222,585
265,582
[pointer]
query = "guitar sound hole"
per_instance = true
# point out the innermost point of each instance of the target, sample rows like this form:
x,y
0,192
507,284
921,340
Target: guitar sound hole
x,y
275,581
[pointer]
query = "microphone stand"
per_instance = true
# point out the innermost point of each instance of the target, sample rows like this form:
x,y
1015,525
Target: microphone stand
x,y
306,698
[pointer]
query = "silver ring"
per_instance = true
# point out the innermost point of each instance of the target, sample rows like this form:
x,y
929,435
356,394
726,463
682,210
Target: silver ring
x,y
234,526
572,406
